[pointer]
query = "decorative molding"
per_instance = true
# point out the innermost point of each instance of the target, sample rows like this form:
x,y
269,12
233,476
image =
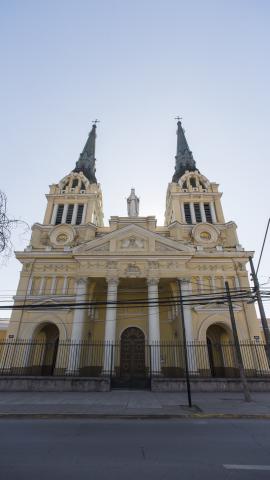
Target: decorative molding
x,y
62,235
205,234
132,243
102,248
54,268
161,247
134,237
132,271
214,307
152,281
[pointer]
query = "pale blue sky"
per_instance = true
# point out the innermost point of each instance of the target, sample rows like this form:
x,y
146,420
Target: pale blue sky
x,y
135,65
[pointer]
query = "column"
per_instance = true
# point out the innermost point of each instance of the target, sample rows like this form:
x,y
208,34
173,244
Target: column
x,y
64,216
77,328
74,214
213,283
53,220
84,213
202,212
41,287
110,325
153,325
53,285
213,212
191,348
65,286
237,282
192,212
183,213
29,287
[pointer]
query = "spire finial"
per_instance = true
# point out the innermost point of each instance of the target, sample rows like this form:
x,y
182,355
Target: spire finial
x,y
184,159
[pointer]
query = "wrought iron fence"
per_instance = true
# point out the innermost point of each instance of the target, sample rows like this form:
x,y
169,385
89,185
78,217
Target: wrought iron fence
x,y
120,360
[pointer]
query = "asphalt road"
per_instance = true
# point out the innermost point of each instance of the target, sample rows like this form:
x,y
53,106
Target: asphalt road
x,y
134,449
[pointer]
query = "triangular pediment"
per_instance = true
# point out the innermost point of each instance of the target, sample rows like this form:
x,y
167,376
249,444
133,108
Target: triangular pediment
x,y
132,239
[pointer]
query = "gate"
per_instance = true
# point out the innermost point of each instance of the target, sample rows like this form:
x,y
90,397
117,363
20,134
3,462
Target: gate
x,y
132,372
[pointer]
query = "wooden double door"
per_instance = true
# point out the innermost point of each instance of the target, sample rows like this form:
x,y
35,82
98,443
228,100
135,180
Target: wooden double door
x,y
133,351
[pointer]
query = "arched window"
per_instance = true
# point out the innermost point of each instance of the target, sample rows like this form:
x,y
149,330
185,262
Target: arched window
x,y
75,183
192,182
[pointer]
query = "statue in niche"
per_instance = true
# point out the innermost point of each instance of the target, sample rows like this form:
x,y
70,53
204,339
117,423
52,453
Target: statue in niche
x,y
133,204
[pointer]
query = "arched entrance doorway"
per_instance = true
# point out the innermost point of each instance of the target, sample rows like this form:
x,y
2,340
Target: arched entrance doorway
x,y
133,373
45,348
220,352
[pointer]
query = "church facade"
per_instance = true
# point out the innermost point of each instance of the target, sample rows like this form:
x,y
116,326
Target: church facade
x,y
93,283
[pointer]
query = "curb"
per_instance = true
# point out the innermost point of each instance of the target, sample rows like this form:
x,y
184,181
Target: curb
x,y
184,416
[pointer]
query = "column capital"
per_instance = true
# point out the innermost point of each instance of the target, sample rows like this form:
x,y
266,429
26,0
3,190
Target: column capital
x,y
184,280
152,281
112,281
82,281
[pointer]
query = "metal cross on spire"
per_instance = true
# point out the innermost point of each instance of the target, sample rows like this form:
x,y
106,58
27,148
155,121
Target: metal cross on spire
x,y
94,122
178,118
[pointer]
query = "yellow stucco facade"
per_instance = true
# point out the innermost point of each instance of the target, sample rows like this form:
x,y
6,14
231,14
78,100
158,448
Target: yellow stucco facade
x,y
73,258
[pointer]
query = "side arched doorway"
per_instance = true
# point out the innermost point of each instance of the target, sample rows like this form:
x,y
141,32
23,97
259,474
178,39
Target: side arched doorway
x,y
221,353
45,349
132,372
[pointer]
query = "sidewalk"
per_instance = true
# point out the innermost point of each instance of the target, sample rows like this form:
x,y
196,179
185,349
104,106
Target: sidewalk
x,y
132,404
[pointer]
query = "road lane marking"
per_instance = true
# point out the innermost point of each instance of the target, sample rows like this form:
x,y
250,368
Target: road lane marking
x,y
247,467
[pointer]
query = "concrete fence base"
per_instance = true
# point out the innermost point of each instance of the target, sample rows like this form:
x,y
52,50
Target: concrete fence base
x,y
54,384
209,385
103,384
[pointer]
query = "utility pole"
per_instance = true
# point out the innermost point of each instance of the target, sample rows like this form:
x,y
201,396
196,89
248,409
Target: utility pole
x,y
237,346
261,309
185,343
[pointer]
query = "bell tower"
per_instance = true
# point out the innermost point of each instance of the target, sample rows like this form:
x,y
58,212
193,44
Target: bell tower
x,y
77,198
191,198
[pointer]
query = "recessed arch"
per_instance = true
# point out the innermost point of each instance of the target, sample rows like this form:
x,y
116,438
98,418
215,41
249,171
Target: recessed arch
x,y
214,319
45,348
221,354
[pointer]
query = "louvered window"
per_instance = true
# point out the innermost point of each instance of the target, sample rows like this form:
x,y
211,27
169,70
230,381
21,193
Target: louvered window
x,y
197,212
187,213
69,213
79,214
208,213
59,214
75,182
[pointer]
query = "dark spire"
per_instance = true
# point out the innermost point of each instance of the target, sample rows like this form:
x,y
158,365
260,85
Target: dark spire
x,y
184,159
86,162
